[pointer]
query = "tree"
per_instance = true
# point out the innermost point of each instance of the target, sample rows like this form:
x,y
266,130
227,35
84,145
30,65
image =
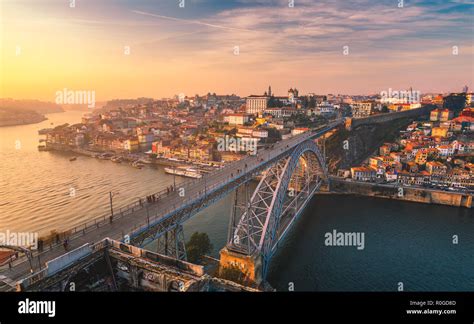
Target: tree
x,y
235,274
455,101
273,133
273,102
312,102
198,245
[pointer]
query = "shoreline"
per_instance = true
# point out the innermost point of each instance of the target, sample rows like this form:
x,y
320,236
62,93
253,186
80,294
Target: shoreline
x,y
410,194
128,158
23,123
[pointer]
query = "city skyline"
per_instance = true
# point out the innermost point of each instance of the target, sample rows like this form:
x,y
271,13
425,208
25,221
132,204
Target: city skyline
x,y
49,46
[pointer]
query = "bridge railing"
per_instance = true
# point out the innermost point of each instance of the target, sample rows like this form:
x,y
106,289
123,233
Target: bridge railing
x,y
86,227
164,213
207,189
83,228
122,211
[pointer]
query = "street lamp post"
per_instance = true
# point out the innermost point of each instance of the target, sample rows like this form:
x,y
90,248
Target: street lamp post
x,y
111,195
147,215
139,201
174,177
111,205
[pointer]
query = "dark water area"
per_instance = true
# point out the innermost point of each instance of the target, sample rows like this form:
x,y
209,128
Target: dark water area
x,y
404,242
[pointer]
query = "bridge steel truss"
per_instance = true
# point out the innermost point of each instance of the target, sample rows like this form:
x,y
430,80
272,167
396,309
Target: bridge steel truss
x,y
260,222
173,220
167,231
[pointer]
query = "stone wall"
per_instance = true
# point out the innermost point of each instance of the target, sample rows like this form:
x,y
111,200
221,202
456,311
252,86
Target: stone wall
x,y
413,194
352,123
251,266
350,146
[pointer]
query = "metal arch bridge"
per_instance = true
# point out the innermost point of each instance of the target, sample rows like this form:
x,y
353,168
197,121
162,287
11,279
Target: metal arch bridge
x,y
295,164
259,223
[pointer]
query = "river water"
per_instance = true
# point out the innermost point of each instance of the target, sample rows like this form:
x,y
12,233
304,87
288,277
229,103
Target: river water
x,y
404,242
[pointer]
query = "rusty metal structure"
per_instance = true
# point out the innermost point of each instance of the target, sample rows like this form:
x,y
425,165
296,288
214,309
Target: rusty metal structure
x,y
110,265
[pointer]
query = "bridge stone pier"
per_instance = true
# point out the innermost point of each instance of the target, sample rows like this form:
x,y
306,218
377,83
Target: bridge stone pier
x,y
250,265
260,221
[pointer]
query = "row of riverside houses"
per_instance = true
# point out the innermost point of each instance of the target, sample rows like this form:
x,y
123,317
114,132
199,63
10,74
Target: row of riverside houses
x,y
434,153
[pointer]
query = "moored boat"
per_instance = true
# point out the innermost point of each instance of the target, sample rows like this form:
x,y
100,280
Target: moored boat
x,y
43,148
44,131
137,164
105,156
116,159
175,160
145,161
185,172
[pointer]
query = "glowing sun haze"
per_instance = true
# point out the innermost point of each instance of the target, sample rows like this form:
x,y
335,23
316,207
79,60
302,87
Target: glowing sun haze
x,y
47,46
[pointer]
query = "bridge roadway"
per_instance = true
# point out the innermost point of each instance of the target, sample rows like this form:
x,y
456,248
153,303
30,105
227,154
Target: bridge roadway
x,y
152,211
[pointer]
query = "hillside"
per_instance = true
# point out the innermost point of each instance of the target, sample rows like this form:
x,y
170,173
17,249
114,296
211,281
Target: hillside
x,y
21,112
13,117
40,107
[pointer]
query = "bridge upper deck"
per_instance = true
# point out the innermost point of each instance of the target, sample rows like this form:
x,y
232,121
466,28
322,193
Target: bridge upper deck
x,y
142,216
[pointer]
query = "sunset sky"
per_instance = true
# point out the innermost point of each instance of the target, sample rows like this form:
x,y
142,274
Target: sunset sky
x,y
190,50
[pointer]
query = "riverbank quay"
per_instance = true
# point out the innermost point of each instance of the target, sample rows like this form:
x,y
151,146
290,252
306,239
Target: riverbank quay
x,y
399,192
